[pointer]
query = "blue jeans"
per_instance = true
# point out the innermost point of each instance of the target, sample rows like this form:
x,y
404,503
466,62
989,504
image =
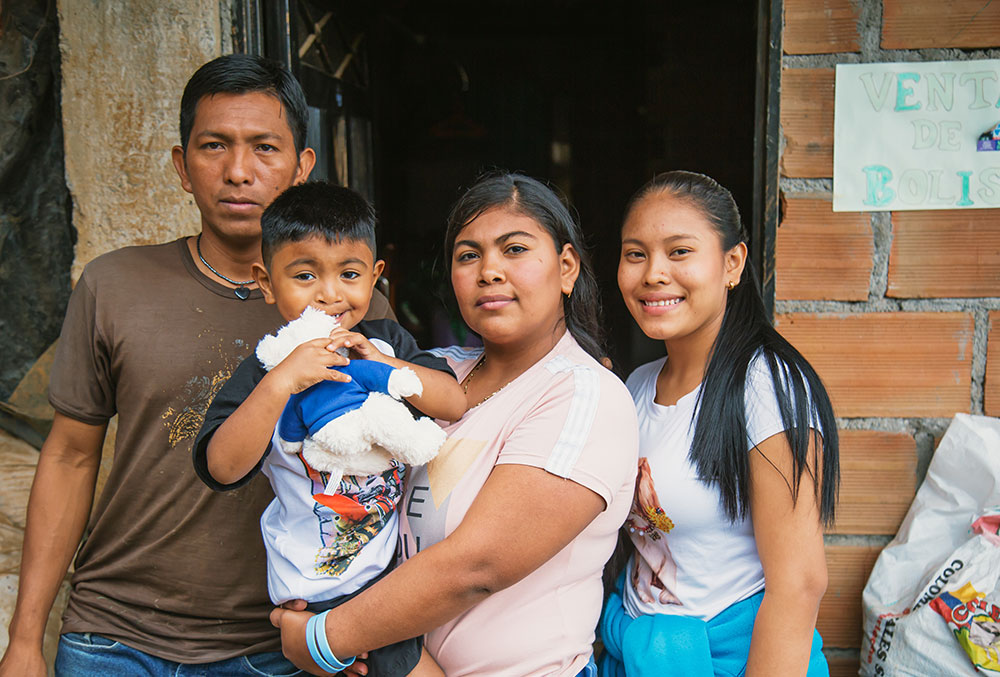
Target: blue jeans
x,y
86,654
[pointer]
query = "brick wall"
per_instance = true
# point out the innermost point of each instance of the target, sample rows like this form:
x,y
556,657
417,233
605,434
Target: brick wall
x,y
900,311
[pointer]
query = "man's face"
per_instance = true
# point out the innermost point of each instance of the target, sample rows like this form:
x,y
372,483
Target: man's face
x,y
240,156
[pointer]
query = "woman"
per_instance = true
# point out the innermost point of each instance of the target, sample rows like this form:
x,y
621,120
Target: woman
x,y
505,534
738,447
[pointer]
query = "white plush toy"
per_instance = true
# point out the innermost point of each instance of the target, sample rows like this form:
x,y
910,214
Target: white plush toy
x,y
352,428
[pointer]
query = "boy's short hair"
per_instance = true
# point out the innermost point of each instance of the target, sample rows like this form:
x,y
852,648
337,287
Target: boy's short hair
x,y
245,74
317,208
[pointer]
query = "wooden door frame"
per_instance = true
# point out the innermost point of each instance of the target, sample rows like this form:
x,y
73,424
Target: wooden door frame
x,y
767,139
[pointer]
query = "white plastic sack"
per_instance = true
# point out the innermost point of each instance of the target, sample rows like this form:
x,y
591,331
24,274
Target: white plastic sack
x,y
932,603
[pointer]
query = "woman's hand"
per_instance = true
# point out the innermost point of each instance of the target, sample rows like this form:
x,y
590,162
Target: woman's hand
x,y
293,626
293,638
790,544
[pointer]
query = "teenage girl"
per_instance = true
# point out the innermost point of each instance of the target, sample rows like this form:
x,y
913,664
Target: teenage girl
x,y
738,467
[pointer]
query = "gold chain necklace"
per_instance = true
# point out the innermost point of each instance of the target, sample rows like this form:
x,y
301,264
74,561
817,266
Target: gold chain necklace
x,y
468,379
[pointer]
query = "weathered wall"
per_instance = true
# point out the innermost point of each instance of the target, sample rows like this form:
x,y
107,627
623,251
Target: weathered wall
x,y
898,325
124,65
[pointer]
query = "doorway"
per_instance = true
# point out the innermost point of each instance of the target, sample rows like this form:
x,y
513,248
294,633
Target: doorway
x,y
593,97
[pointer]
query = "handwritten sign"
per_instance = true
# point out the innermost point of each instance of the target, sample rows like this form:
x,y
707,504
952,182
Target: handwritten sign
x,y
906,136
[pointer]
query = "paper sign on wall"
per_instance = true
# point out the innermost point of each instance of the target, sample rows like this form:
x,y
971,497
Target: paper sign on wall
x,y
906,136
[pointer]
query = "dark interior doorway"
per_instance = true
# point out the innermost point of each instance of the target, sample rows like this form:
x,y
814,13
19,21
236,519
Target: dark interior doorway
x,y
593,97
414,99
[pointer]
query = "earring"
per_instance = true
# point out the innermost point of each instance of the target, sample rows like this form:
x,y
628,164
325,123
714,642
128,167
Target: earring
x,y
732,285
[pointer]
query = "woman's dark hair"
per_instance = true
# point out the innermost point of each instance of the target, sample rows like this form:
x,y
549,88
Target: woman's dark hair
x,y
245,74
720,438
529,197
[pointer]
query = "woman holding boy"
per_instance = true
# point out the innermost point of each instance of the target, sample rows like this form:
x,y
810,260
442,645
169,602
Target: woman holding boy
x,y
505,534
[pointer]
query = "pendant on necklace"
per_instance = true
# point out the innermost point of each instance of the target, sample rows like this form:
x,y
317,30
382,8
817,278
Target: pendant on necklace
x,y
242,293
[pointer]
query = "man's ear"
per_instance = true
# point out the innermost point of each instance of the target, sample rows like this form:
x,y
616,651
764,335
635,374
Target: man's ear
x,y
307,160
177,156
263,280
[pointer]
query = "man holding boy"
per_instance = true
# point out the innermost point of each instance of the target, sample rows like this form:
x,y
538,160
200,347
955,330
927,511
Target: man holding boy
x,y
167,574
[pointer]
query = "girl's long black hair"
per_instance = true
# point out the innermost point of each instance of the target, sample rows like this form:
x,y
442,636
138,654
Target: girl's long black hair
x,y
719,449
529,197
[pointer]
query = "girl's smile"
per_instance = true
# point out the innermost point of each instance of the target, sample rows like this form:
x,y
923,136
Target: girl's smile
x,y
673,273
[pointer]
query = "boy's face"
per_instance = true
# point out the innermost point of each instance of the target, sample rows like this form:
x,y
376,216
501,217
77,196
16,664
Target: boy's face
x,y
240,156
335,277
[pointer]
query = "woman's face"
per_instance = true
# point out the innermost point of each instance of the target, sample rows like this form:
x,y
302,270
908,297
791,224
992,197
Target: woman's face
x,y
509,278
673,273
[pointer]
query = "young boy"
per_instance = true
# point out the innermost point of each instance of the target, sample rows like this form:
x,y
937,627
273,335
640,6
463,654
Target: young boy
x,y
318,249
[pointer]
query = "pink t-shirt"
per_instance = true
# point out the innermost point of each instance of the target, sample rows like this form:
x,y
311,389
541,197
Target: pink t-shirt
x,y
574,418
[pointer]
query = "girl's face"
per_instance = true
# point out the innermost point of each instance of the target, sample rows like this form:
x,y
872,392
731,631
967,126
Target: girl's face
x,y
673,273
509,278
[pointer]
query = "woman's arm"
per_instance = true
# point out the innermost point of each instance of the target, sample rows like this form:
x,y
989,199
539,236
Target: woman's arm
x,y
486,553
790,544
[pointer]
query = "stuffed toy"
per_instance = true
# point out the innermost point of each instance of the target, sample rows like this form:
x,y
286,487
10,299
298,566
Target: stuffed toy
x,y
353,428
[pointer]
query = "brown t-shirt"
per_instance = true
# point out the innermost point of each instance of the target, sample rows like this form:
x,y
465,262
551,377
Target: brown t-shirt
x,y
168,566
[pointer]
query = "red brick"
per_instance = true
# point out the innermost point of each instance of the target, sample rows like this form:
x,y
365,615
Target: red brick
x,y
942,254
888,364
844,667
848,568
993,366
807,122
820,26
878,479
820,254
915,24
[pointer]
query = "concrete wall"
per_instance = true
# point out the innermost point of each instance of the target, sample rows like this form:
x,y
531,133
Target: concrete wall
x,y
902,341
124,65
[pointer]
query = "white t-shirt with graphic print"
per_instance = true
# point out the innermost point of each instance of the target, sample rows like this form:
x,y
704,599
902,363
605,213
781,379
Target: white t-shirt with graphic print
x,y
574,418
690,559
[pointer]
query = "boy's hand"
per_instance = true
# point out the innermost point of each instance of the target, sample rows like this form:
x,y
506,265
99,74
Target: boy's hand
x,y
307,365
358,343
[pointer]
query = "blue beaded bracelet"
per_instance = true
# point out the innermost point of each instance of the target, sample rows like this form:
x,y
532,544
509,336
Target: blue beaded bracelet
x,y
319,645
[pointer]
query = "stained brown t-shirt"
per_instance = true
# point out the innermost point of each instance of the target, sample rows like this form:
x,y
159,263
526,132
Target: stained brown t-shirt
x,y
168,566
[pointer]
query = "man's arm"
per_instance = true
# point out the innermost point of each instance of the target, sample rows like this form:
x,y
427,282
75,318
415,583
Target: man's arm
x,y
58,507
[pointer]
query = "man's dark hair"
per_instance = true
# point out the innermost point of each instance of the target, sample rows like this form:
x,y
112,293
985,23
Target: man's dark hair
x,y
245,74
315,209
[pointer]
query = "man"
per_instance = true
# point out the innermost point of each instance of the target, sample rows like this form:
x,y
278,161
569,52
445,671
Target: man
x,y
170,573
